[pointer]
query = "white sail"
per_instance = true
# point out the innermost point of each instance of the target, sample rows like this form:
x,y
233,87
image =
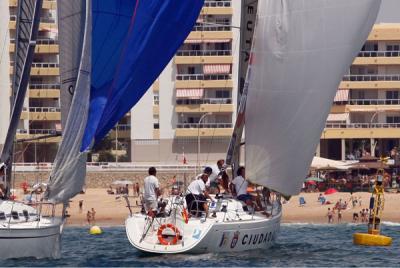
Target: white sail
x,y
302,49
68,174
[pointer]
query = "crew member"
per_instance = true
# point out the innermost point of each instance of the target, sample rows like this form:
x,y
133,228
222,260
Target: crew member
x,y
151,192
196,195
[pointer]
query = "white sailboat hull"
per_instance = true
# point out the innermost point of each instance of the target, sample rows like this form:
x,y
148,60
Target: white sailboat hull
x,y
35,237
220,234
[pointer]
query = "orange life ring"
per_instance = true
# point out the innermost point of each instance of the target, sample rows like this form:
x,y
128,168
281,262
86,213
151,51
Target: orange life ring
x,y
160,234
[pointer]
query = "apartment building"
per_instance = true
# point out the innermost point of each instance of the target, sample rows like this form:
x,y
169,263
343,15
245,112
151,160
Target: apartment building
x,y
191,108
365,117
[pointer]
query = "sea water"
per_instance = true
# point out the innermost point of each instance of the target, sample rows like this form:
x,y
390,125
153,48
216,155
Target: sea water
x,y
297,245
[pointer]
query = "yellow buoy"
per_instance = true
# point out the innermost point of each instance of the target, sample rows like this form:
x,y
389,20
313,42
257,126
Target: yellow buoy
x,y
95,230
371,239
376,205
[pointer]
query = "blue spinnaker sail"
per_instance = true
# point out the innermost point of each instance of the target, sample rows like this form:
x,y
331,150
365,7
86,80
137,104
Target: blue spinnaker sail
x,y
132,42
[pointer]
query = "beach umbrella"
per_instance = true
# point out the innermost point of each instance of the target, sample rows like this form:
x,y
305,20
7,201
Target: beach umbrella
x,y
314,179
331,191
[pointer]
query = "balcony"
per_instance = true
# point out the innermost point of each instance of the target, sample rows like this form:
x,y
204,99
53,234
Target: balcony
x,y
204,101
45,23
377,58
217,8
374,102
204,56
361,130
202,32
47,4
124,132
370,81
41,113
203,81
385,32
36,133
49,91
205,130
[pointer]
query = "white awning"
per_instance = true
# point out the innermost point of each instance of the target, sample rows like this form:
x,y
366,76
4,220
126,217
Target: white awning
x,y
343,117
341,95
216,68
190,93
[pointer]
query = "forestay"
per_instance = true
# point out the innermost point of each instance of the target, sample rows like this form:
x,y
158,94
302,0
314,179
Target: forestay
x,y
302,49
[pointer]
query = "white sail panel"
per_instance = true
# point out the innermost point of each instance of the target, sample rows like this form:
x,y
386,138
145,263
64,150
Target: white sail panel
x,y
302,49
69,171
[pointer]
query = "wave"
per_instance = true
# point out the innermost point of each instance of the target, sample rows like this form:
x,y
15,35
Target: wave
x,y
390,223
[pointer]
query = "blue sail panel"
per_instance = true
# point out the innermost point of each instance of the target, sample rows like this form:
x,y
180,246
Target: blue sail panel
x,y
133,41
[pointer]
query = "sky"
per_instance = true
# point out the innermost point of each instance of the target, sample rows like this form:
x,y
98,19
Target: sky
x,y
390,12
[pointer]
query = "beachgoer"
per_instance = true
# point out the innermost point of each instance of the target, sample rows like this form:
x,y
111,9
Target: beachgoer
x,y
355,217
151,191
330,216
339,216
93,216
80,206
89,217
137,189
363,218
196,196
126,189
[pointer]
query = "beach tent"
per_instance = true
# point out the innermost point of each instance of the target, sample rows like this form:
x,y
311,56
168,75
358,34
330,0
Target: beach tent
x,y
315,179
331,191
327,164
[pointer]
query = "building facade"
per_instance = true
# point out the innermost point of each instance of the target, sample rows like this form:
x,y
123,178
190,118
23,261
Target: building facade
x,y
365,116
190,109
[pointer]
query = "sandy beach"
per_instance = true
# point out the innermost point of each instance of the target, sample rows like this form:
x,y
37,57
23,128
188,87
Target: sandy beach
x,y
111,210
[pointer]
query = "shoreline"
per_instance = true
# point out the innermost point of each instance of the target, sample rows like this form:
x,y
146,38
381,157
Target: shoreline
x,y
111,210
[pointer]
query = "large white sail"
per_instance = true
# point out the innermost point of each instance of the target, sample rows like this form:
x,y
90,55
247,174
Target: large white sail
x,y
302,49
68,174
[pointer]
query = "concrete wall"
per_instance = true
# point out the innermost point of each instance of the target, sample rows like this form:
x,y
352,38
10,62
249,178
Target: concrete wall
x,y
4,71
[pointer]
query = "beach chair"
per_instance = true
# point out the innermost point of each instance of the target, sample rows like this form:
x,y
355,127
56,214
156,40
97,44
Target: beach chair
x,y
302,201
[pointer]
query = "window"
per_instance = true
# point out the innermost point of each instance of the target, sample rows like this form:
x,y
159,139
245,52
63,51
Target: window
x,y
222,94
392,95
393,119
156,99
191,70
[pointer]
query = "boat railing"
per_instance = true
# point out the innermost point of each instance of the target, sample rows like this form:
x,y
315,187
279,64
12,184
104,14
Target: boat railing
x,y
371,77
204,53
379,54
203,76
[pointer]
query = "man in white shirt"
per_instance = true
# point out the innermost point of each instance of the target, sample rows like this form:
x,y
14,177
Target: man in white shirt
x,y
151,191
196,195
240,187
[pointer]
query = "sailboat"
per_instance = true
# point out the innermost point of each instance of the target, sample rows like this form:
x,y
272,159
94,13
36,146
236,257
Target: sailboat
x,y
110,54
299,52
25,229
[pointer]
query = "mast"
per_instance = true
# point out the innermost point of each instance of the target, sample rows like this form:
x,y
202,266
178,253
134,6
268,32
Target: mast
x,y
248,23
28,19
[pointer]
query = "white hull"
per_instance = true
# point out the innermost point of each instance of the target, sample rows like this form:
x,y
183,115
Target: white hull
x,y
38,238
221,234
